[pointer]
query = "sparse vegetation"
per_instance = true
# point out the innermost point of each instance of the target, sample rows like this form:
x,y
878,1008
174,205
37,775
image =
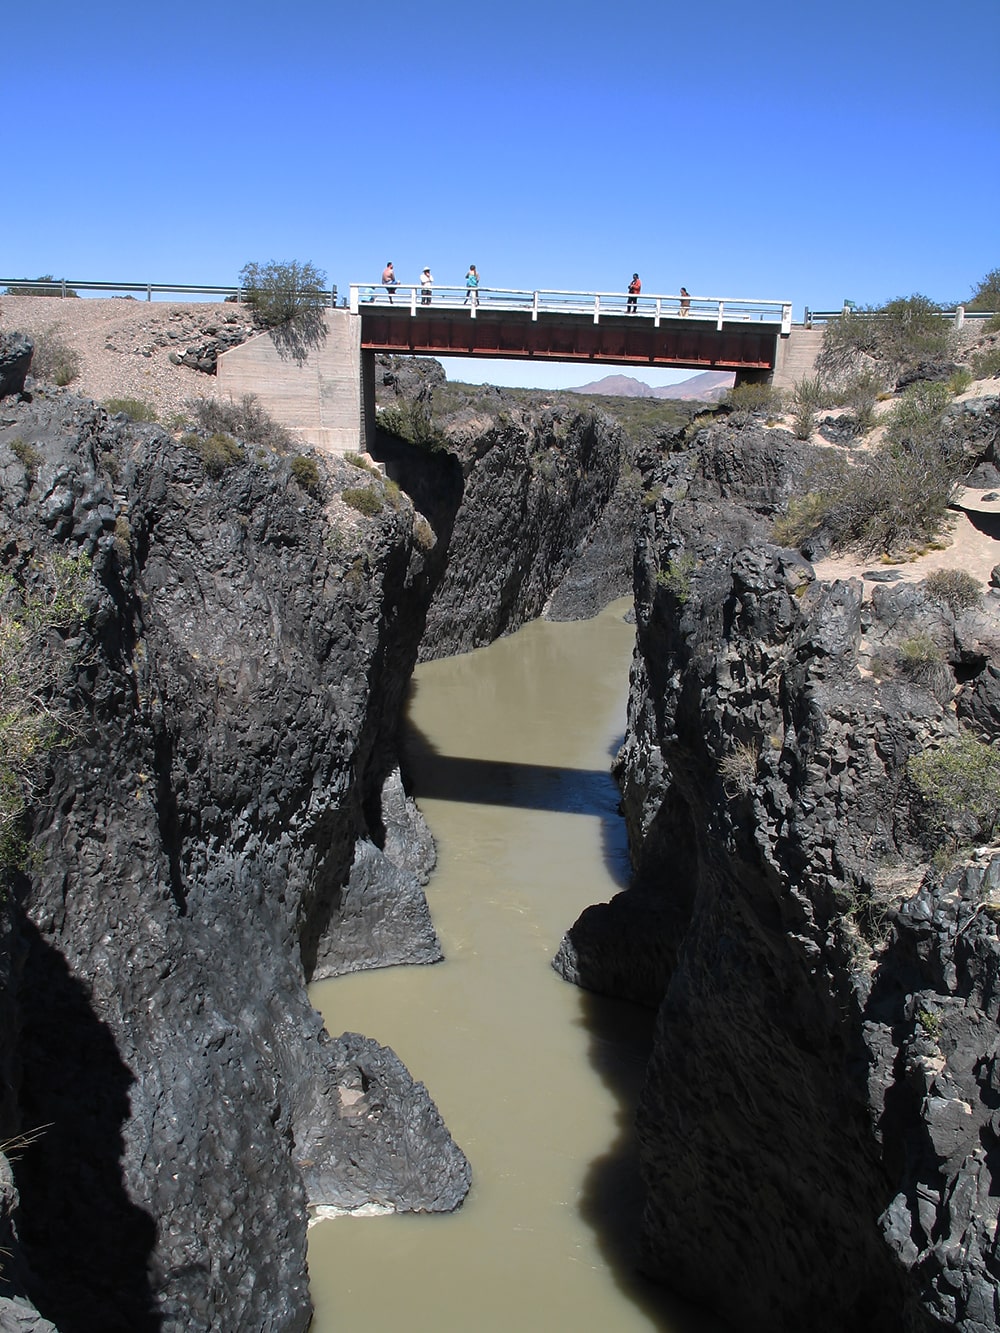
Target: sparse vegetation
x,y
305,470
217,452
365,499
30,289
32,717
738,769
28,456
986,363
675,577
986,295
900,333
959,785
750,397
246,420
412,422
53,358
921,660
915,420
289,293
136,409
959,382
807,397
955,587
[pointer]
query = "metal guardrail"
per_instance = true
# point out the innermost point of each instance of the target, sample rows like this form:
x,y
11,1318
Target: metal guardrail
x,y
958,316
65,287
719,310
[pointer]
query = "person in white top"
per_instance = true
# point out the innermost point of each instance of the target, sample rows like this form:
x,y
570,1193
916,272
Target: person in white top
x,y
426,283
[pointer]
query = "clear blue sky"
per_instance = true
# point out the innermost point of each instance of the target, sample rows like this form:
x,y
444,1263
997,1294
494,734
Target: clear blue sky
x,y
788,149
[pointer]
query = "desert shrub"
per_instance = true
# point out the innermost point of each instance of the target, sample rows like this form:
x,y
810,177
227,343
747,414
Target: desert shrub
x,y
859,393
412,422
53,358
123,537
920,659
365,499
424,538
305,470
807,397
134,408
955,587
959,382
986,295
986,364
30,289
916,417
27,455
217,452
359,461
285,293
900,333
675,577
246,420
959,784
33,717
738,769
804,516
754,397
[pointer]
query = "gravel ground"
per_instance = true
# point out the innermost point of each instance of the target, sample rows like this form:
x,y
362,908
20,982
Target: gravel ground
x,y
124,345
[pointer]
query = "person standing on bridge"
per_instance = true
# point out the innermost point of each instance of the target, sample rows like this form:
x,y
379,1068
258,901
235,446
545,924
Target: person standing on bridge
x,y
426,283
389,280
472,286
634,288
685,301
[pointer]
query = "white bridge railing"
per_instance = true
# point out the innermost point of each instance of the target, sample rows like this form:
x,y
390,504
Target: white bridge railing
x,y
718,310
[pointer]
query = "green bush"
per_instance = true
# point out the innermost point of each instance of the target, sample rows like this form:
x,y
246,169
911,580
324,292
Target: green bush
x,y
29,290
284,293
413,423
955,587
218,452
675,577
986,364
807,396
306,473
365,499
134,408
920,659
986,295
754,397
900,333
53,358
916,418
246,420
28,456
859,393
33,717
959,783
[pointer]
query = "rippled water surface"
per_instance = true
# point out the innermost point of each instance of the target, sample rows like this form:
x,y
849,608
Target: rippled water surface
x,y
509,748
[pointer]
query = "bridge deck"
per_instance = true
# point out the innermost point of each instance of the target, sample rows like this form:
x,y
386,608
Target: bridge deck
x,y
707,333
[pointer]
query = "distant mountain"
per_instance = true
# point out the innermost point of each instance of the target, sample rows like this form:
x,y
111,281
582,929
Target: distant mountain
x,y
708,387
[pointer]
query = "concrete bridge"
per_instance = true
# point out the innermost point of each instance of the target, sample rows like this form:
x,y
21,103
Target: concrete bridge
x,y
327,393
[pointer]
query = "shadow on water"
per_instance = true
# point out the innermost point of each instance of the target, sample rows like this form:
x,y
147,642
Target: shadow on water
x,y
612,1196
87,1243
568,791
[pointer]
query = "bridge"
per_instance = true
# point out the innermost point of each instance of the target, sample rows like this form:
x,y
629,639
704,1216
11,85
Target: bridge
x,y
328,395
606,328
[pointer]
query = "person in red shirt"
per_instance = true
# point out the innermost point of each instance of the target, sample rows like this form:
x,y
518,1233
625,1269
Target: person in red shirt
x,y
634,288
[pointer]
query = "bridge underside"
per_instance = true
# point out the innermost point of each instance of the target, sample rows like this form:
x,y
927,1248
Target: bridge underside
x,y
690,344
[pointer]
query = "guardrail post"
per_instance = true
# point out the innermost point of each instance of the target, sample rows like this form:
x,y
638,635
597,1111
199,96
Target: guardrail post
x,y
354,298
718,323
597,307
959,316
149,292
786,319
656,317
534,305
62,287
413,301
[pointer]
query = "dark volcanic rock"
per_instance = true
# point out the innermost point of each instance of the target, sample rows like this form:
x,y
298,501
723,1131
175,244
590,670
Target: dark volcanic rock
x,y
818,1121
230,807
16,350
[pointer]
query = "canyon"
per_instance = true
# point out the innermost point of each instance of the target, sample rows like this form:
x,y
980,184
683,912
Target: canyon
x,y
228,820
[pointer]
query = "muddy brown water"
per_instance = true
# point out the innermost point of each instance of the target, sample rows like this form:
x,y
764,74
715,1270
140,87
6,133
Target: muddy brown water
x,y
509,747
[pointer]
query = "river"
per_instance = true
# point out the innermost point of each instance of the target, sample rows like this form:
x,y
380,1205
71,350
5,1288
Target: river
x,y
509,747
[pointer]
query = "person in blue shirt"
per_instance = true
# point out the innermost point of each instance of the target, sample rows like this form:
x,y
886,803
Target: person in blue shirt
x,y
472,286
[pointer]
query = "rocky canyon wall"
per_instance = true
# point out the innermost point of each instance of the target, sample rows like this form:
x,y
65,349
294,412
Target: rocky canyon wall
x,y
818,1127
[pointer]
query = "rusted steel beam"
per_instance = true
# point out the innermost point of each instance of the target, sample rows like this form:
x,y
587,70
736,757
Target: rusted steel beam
x,y
614,341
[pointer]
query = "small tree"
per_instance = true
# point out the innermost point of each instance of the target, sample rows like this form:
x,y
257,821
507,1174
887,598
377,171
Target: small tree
x,y
288,293
987,293
899,334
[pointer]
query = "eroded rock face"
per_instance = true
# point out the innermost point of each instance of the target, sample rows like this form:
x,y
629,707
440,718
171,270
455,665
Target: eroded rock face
x,y
230,809
16,350
819,1117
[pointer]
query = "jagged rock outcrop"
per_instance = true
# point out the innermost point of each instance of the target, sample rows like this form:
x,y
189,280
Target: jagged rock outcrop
x,y
819,1116
15,360
227,821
